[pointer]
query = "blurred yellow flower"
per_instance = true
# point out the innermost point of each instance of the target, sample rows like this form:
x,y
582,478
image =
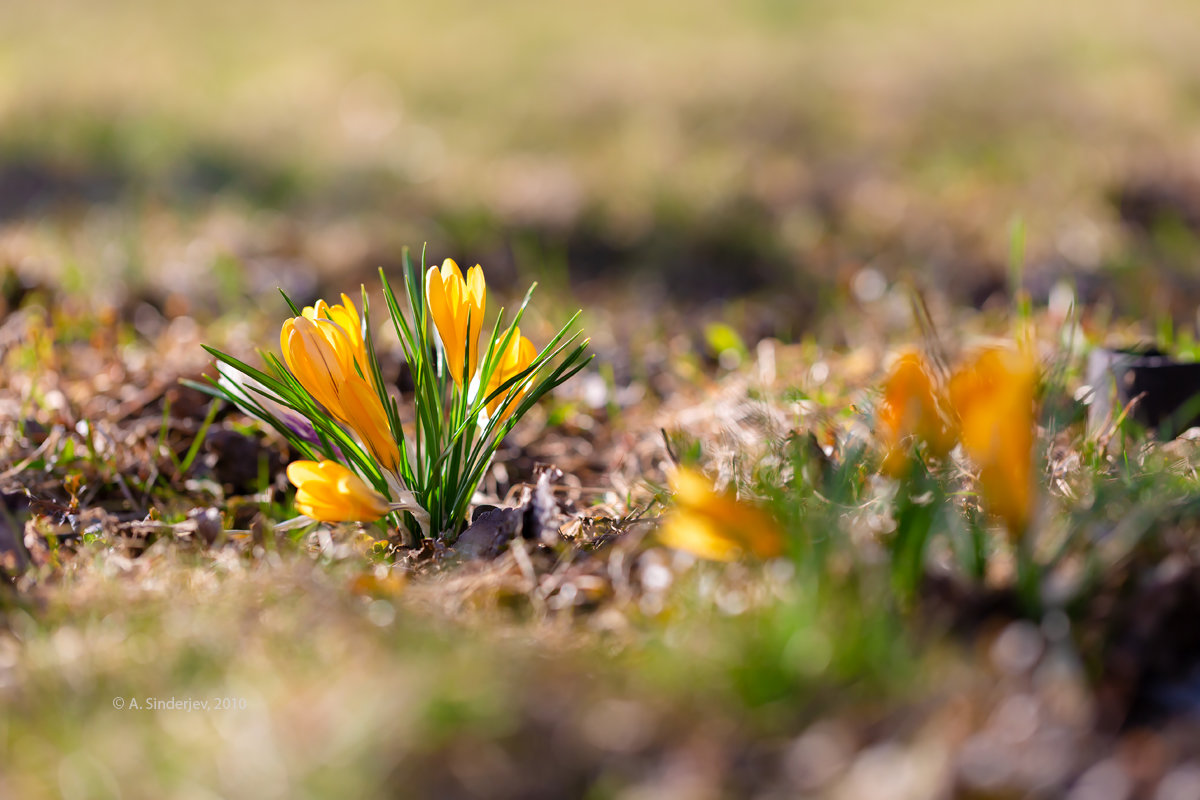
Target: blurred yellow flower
x,y
456,307
716,525
993,396
912,407
329,492
519,354
322,357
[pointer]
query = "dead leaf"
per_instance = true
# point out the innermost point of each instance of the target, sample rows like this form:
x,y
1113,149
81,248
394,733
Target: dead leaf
x,y
534,517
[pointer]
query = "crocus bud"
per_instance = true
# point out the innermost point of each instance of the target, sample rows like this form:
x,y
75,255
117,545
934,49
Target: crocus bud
x,y
329,492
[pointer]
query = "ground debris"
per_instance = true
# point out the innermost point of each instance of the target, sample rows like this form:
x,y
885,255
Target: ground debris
x,y
534,518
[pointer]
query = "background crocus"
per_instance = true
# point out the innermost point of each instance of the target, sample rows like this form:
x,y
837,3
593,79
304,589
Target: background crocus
x,y
716,525
519,354
328,492
993,396
457,307
912,408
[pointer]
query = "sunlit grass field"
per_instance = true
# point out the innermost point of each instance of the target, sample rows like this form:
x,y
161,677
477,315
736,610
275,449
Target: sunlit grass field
x,y
758,208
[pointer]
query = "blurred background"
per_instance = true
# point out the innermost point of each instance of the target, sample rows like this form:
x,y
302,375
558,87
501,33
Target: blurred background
x,y
768,162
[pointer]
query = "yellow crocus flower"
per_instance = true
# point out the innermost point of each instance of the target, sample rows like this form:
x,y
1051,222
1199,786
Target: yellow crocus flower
x,y
329,492
346,317
365,414
993,396
912,407
456,307
321,356
519,354
716,525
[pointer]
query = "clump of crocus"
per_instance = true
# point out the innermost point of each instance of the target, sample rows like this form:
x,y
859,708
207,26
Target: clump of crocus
x,y
358,461
994,397
716,525
328,492
912,410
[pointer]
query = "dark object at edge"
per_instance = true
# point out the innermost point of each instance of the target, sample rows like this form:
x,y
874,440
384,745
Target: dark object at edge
x,y
1168,390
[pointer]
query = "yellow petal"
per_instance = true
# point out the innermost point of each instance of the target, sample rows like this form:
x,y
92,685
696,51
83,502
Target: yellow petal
x,y
350,309
994,397
311,356
457,310
435,286
450,270
285,333
477,288
360,500
699,536
442,315
331,493
317,311
366,415
743,527
474,302
527,354
912,406
690,487
518,355
300,471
